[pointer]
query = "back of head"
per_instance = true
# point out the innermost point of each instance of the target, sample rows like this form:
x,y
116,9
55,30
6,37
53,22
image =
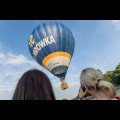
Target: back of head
x,y
34,85
94,79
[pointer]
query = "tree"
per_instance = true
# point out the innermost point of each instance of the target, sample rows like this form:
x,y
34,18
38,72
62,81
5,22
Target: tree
x,y
64,98
109,76
117,79
116,73
118,66
113,76
74,98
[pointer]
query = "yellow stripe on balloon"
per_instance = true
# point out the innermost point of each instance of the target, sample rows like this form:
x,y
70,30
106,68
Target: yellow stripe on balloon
x,y
53,55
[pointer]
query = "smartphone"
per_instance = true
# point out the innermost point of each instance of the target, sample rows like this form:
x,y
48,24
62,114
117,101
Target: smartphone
x,y
83,88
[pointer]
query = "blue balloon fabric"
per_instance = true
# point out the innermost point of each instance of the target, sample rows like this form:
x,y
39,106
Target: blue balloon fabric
x,y
52,46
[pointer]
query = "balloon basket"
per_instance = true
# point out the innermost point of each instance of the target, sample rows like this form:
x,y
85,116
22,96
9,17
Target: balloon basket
x,y
64,85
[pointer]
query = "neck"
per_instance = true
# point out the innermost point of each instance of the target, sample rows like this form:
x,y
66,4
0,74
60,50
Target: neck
x,y
99,95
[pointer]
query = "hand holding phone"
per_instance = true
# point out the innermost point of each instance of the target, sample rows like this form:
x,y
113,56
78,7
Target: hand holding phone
x,y
82,92
83,88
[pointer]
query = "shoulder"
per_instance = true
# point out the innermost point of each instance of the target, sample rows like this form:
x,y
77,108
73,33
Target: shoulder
x,y
117,97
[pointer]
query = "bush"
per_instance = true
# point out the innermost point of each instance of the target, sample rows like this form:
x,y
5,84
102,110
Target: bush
x,y
64,98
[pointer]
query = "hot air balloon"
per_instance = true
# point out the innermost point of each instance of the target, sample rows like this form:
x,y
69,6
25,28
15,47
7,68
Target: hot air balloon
x,y
52,46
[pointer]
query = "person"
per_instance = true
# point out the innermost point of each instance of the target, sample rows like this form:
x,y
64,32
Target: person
x,y
94,83
34,85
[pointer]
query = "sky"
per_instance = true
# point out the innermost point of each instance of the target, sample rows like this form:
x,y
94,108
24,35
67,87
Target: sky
x,y
97,45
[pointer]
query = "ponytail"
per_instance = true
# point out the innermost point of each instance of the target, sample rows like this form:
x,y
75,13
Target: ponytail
x,y
107,87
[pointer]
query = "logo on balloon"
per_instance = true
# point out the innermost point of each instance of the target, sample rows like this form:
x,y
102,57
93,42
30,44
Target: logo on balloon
x,y
31,41
46,41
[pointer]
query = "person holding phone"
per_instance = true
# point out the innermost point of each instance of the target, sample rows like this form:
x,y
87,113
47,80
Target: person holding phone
x,y
93,82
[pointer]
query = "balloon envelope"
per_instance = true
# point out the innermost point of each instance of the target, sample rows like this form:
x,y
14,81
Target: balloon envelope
x,y
52,46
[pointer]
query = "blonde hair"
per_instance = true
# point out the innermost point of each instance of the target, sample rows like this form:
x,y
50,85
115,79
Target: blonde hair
x,y
94,79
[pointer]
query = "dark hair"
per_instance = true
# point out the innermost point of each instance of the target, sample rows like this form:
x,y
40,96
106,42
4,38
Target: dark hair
x,y
34,85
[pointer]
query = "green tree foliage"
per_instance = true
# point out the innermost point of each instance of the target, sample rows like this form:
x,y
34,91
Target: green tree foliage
x,y
74,98
64,98
118,66
109,76
113,76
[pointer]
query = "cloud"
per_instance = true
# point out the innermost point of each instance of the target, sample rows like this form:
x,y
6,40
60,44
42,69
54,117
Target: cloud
x,y
108,56
12,66
116,21
116,24
73,82
69,93
108,60
11,59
